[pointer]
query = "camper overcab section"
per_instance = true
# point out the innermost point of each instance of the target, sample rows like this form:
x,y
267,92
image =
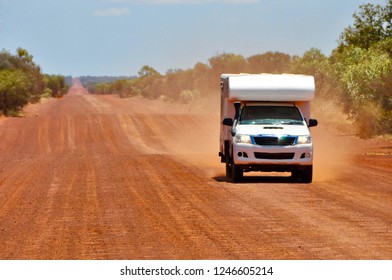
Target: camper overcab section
x,y
265,120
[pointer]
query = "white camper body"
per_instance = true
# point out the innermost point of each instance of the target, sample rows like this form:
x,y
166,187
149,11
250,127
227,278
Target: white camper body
x,y
264,124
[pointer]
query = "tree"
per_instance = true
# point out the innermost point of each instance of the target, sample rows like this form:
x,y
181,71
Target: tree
x,y
269,62
148,71
361,73
25,57
227,63
57,85
22,81
363,65
15,88
24,61
315,63
372,24
203,81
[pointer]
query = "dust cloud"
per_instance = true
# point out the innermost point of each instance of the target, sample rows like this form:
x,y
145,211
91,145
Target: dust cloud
x,y
193,135
333,139
190,132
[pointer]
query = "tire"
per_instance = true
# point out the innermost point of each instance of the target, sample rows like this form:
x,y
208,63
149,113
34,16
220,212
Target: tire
x,y
306,176
228,167
233,172
228,161
236,173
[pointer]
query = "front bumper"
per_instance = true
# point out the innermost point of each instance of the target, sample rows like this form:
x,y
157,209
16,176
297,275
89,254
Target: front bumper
x,y
296,155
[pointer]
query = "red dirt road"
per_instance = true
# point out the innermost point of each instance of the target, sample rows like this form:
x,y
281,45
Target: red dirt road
x,y
99,177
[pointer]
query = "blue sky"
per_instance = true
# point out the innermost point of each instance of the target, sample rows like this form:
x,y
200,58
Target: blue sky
x,y
118,37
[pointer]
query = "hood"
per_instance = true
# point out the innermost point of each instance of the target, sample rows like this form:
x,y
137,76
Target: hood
x,y
272,129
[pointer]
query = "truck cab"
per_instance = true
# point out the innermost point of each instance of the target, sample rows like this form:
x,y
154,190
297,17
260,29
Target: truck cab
x,y
265,124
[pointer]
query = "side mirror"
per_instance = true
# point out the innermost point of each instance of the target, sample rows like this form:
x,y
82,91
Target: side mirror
x,y
228,122
313,122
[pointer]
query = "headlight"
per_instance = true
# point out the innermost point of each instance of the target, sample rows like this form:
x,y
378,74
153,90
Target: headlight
x,y
304,139
243,138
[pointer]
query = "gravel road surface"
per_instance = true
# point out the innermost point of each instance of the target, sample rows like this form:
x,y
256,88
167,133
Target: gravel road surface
x,y
100,177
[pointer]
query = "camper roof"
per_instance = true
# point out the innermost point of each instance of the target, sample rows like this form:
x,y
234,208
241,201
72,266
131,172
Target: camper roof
x,y
270,87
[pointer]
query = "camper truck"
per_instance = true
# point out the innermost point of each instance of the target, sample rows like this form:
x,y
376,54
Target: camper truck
x,y
265,121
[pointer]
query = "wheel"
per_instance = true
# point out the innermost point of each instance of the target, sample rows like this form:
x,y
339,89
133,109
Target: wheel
x,y
233,171
228,167
306,175
228,160
236,173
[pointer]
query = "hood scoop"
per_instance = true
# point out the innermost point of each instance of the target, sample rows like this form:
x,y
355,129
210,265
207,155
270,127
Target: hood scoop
x,y
273,127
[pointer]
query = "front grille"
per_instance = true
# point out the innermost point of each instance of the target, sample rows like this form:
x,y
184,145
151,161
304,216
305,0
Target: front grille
x,y
274,155
274,141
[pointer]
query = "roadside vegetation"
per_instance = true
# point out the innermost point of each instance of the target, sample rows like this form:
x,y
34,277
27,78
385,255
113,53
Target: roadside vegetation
x,y
357,75
22,82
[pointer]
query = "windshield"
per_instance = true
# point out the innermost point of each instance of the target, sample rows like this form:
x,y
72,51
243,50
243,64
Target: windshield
x,y
270,115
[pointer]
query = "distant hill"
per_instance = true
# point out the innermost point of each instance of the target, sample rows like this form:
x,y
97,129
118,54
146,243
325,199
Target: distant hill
x,y
88,80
